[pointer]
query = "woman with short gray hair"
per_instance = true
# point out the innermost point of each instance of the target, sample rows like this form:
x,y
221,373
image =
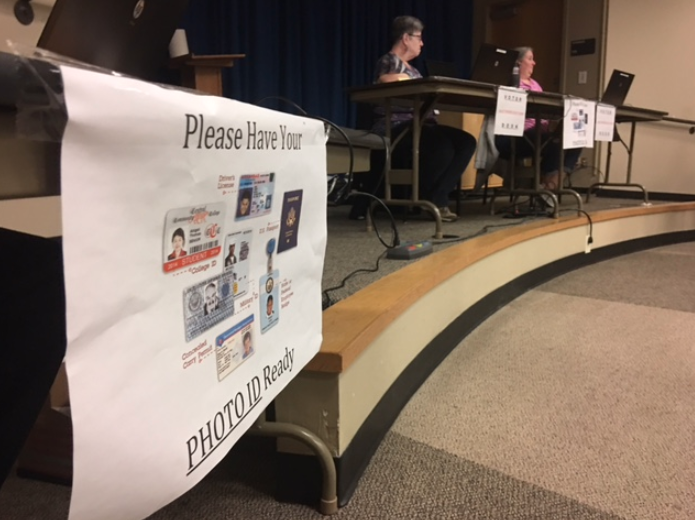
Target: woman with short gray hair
x,y
444,151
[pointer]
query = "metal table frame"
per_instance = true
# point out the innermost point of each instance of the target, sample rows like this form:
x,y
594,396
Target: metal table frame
x,y
633,116
425,94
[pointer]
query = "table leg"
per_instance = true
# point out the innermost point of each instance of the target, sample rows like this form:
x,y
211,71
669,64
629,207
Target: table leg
x,y
560,189
629,151
417,127
536,190
629,148
419,110
538,149
418,120
387,179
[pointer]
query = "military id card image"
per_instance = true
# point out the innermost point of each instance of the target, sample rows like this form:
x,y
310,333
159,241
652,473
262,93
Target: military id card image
x,y
255,196
207,304
192,235
233,347
289,220
269,301
237,259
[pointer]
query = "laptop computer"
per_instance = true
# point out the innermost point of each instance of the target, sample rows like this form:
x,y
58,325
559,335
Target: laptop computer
x,y
617,89
128,36
494,65
446,69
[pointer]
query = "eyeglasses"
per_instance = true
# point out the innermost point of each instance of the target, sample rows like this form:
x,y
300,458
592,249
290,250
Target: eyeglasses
x,y
418,36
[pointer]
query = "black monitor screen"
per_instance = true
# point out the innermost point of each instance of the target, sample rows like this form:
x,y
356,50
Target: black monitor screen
x,y
128,36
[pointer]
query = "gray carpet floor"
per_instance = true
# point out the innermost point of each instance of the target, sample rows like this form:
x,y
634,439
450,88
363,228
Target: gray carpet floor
x,y
575,401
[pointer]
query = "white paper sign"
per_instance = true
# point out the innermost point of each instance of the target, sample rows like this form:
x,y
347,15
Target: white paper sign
x,y
194,229
605,122
510,112
578,123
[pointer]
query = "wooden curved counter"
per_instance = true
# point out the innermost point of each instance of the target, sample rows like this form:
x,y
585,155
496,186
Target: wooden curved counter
x,y
350,325
381,343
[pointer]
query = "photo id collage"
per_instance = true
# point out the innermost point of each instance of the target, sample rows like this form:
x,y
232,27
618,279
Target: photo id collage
x,y
214,241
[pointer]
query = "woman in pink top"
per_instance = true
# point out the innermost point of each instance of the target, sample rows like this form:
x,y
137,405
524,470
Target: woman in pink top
x,y
550,154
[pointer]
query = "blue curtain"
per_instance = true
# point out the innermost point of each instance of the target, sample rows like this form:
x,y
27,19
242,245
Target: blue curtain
x,y
312,51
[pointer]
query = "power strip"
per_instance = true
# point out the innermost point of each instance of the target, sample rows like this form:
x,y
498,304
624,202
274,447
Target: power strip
x,y
410,250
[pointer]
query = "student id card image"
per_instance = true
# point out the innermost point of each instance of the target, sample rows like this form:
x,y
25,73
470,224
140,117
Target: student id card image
x,y
192,235
269,300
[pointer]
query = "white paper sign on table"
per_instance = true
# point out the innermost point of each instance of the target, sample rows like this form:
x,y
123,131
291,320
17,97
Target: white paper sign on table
x,y
605,122
194,229
510,112
578,123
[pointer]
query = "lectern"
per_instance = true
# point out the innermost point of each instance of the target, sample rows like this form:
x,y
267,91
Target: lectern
x,y
204,73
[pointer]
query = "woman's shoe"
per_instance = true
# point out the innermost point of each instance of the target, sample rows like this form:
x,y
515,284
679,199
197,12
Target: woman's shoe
x,y
358,211
550,180
448,215
547,202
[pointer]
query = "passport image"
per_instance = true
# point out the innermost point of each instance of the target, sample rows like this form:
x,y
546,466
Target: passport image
x,y
289,220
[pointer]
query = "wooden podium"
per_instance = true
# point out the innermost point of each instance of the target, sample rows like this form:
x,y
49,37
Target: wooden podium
x,y
204,73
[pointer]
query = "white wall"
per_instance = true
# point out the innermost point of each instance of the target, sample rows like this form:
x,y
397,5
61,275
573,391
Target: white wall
x,y
584,19
655,41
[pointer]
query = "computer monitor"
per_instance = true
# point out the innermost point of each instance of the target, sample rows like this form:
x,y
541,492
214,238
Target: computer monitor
x,y
617,89
128,36
446,69
494,65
